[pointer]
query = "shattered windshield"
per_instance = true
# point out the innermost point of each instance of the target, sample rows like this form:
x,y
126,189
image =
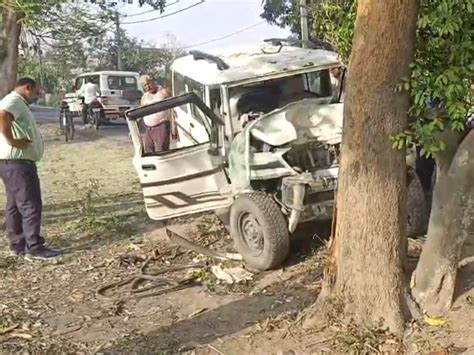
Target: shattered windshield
x,y
266,96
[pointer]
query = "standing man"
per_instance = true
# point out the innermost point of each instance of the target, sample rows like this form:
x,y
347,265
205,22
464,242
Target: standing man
x,y
159,126
90,92
21,147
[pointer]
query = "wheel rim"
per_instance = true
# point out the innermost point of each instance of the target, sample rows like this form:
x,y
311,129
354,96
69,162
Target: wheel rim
x,y
251,233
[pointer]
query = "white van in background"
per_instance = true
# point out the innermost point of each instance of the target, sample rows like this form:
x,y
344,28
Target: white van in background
x,y
119,92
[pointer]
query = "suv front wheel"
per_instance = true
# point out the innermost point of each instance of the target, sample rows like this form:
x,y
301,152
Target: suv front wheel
x,y
259,230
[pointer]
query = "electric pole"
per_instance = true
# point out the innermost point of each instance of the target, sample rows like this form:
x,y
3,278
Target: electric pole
x,y
118,41
304,23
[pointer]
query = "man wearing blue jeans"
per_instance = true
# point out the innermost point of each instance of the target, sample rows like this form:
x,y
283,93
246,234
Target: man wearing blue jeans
x,y
21,147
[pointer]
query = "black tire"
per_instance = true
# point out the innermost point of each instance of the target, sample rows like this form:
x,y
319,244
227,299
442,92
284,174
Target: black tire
x,y
64,128
417,212
259,213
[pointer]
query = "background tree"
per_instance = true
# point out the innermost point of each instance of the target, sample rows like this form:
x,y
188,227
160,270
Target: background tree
x,y
283,13
28,14
62,40
138,56
330,21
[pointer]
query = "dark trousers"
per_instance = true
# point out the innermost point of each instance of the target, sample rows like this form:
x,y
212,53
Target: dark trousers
x,y
157,138
24,205
424,169
84,113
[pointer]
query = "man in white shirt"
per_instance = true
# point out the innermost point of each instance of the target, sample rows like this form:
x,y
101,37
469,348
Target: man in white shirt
x,y
89,91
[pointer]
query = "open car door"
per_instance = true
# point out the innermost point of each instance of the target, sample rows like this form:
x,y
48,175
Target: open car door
x,y
185,180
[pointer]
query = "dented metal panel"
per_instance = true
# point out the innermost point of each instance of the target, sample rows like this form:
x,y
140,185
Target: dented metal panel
x,y
301,122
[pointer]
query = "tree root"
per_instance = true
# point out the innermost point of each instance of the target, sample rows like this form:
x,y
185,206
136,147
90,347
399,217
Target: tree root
x,y
413,310
326,310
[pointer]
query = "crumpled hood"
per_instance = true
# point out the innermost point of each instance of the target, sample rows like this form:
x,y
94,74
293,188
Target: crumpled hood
x,y
302,121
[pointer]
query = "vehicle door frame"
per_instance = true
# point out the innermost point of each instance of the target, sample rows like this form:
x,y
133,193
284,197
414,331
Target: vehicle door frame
x,y
143,161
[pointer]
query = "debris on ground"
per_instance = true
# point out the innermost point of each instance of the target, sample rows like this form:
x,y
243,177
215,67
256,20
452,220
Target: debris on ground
x,y
54,308
231,275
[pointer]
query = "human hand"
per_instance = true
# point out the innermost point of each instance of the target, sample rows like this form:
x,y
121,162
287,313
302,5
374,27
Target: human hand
x,y
21,143
174,131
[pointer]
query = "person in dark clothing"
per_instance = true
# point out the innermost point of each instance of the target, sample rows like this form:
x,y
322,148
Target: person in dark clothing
x,y
424,169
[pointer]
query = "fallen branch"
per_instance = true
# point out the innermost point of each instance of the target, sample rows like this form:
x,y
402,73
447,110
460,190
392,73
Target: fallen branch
x,y
8,329
213,348
7,337
136,280
321,341
184,243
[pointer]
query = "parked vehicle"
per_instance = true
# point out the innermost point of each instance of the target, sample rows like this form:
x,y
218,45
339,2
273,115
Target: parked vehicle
x,y
119,91
260,137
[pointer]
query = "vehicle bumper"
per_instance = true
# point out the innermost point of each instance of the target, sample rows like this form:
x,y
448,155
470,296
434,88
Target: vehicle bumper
x,y
113,113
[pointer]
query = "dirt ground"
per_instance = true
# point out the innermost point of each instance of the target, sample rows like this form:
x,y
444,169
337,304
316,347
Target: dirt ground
x,y
94,212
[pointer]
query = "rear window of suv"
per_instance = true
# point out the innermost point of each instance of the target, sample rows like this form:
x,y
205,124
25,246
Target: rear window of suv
x,y
116,82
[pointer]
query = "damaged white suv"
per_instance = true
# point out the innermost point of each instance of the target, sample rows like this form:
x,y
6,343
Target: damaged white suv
x,y
259,138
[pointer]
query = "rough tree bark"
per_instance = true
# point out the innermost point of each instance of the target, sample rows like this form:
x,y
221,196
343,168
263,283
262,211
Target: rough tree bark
x,y
365,274
434,280
10,29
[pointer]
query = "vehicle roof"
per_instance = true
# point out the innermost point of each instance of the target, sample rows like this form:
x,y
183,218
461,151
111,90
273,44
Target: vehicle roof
x,y
110,72
253,62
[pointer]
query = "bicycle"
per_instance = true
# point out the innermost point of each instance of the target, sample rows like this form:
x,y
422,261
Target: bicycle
x,y
66,122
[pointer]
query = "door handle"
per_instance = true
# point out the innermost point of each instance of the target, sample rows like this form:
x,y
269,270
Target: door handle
x,y
149,167
191,125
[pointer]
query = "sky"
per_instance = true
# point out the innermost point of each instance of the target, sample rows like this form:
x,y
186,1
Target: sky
x,y
202,23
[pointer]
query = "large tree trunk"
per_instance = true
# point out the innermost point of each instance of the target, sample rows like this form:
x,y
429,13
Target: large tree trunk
x,y
366,270
451,222
10,29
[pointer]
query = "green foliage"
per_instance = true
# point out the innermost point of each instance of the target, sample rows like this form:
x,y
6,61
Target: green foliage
x,y
137,56
74,40
30,67
442,71
334,23
283,13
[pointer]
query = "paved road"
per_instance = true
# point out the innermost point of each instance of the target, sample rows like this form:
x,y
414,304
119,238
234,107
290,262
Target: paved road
x,y
114,131
45,114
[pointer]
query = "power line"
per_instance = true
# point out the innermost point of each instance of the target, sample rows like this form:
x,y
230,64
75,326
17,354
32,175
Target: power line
x,y
226,36
165,15
150,11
